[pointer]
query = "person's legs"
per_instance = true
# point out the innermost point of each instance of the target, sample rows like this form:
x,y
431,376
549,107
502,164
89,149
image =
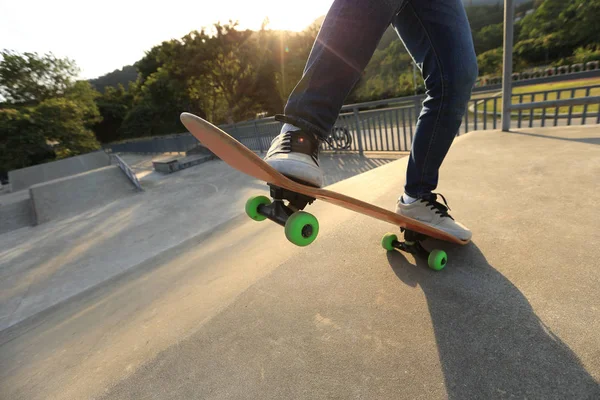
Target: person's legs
x,y
344,45
438,36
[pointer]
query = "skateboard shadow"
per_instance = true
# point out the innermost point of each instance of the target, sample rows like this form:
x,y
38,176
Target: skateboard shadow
x,y
490,342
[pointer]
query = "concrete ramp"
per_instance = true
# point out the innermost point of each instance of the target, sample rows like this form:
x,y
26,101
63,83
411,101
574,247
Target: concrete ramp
x,y
23,178
16,211
78,193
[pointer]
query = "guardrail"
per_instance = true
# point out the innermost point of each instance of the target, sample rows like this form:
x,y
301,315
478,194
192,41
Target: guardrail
x,y
573,71
388,125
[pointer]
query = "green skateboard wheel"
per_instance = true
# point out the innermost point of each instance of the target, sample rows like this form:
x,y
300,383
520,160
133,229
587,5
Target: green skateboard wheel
x,y
301,228
437,260
252,207
387,242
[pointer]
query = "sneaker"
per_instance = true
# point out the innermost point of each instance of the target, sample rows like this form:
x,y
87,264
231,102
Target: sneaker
x,y
431,212
295,154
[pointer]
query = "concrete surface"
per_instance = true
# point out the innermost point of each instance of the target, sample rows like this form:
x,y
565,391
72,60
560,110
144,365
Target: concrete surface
x,y
175,163
45,265
23,178
76,194
16,211
238,312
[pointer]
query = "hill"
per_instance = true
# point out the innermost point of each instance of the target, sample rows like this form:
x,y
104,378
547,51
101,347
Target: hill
x,y
123,76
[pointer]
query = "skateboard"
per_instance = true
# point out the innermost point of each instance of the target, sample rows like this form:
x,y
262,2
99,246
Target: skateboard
x,y
300,227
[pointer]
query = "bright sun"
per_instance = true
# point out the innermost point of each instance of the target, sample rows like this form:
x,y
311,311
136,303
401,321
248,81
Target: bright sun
x,y
282,14
64,27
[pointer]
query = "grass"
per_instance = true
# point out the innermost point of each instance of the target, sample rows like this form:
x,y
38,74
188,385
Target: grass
x,y
579,91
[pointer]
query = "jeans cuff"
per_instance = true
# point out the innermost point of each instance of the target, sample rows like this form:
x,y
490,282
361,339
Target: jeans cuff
x,y
302,124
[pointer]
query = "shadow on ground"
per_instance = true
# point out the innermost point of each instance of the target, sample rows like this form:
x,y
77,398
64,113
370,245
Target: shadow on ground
x,y
338,167
490,342
587,140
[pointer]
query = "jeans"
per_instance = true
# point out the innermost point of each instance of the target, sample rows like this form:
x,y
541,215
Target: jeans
x,y
437,35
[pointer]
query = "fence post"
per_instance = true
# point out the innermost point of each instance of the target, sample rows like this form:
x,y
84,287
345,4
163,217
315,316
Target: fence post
x,y
509,13
256,133
358,132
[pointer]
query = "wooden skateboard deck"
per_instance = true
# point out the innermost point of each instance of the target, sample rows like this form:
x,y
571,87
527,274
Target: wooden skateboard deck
x,y
244,160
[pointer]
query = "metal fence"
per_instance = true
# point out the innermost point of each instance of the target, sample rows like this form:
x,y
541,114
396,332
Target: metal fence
x,y
388,125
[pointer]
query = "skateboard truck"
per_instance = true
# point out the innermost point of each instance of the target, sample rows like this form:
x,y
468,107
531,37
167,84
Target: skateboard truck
x,y
301,228
436,259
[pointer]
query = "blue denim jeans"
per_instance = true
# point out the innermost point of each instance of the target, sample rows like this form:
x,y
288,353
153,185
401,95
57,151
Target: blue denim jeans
x,y
437,35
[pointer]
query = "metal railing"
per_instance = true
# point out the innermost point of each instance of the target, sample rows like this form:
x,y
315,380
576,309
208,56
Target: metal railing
x,y
388,125
507,84
555,107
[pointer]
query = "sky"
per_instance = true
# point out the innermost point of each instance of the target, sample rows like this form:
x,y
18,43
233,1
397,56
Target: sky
x,y
104,36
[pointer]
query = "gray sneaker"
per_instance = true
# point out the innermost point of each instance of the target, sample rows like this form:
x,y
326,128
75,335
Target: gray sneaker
x,y
431,212
296,155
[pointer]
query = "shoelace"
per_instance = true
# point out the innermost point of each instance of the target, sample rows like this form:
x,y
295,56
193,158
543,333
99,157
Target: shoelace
x,y
439,208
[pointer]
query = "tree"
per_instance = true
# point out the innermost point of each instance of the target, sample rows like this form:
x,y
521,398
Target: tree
x,y
556,28
63,122
158,105
84,95
488,38
585,54
388,74
113,105
29,77
225,77
47,114
235,65
481,16
490,62
581,22
21,144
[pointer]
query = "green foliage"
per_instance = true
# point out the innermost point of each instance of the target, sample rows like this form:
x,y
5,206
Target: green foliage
x,y
490,62
586,54
29,77
556,32
388,74
481,16
158,106
84,96
21,143
48,114
113,106
289,55
63,122
488,38
556,28
228,76
123,76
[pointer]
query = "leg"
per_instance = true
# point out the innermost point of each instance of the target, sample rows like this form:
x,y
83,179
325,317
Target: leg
x,y
347,40
438,36
345,44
